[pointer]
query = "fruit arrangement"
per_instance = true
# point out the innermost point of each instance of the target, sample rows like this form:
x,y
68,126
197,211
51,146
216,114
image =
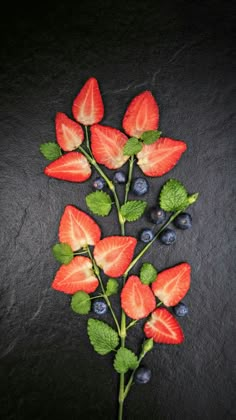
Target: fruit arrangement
x,y
94,268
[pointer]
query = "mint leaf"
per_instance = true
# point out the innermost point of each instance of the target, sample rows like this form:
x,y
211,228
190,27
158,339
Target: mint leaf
x,y
147,346
63,253
173,196
81,303
99,203
150,136
125,359
102,337
192,198
132,146
50,151
133,210
112,287
148,273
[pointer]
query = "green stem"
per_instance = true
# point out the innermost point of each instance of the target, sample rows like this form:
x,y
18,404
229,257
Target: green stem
x,y
87,138
130,382
131,324
127,187
146,248
97,272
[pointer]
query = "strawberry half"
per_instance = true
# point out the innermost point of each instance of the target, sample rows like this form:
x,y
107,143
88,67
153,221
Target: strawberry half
x,y
141,115
77,275
72,167
114,254
137,299
163,328
160,157
107,146
88,106
69,133
171,285
78,229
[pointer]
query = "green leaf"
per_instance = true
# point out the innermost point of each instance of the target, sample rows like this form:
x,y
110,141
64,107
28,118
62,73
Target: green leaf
x,y
81,303
132,146
150,136
50,151
148,273
102,337
99,203
173,196
193,198
63,253
112,287
125,359
147,346
133,210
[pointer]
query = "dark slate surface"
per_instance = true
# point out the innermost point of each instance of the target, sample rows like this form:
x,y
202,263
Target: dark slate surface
x,y
183,52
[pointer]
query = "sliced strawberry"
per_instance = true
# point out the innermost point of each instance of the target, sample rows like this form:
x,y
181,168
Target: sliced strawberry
x,y
141,115
88,106
69,133
163,328
160,157
114,254
171,285
72,167
137,299
78,229
107,146
77,275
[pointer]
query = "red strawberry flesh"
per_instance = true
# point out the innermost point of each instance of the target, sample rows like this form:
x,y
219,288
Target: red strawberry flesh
x,y
163,328
171,285
88,106
75,276
69,133
114,254
137,299
72,167
78,229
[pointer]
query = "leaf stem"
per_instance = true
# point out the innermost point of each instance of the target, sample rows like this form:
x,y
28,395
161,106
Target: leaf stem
x,y
97,272
127,187
131,324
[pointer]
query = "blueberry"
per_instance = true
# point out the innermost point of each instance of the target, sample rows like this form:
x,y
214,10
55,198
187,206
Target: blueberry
x,y
99,183
119,177
168,236
142,375
183,221
157,215
146,235
140,186
181,309
99,307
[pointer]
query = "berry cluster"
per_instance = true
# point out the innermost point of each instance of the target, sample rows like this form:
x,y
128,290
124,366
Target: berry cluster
x,y
93,264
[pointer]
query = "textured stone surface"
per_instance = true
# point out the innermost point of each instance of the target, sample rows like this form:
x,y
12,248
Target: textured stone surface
x,y
183,52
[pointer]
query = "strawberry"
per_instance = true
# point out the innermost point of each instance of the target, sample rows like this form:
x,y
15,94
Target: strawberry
x,y
137,299
171,285
163,328
77,275
88,107
160,157
69,133
114,254
78,229
72,167
107,146
141,115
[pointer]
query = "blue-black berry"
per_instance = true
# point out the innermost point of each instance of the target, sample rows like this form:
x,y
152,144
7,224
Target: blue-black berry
x,y
142,375
146,235
99,307
183,221
119,177
168,236
157,215
99,183
140,186
181,309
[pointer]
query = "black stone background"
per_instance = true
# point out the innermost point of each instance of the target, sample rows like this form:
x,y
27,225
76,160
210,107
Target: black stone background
x,y
183,52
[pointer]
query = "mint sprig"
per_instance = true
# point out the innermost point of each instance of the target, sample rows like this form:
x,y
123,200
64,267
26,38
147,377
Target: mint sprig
x,y
99,202
102,337
173,196
132,146
112,287
133,210
63,253
150,136
125,359
50,150
81,303
148,273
